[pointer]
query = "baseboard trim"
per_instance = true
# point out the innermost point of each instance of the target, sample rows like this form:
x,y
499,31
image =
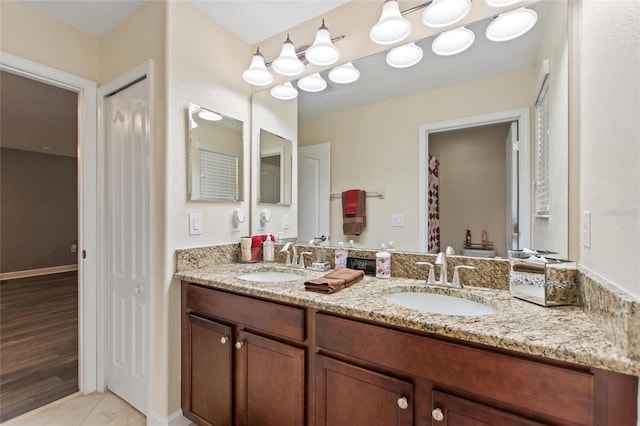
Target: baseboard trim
x,y
37,272
174,419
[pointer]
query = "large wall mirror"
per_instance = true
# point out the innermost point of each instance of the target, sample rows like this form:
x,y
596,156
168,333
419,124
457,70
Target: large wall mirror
x,y
215,156
275,169
373,129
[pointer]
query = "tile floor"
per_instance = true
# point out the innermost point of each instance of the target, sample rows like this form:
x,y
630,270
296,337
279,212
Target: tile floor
x,y
96,409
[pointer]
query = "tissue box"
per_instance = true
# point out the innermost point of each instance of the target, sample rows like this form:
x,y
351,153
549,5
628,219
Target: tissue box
x,y
545,284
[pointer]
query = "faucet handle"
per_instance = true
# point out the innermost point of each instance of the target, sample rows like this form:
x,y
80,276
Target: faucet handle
x,y
431,276
456,274
301,261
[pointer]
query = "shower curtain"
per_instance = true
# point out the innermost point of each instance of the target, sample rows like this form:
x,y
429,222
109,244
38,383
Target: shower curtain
x,y
433,207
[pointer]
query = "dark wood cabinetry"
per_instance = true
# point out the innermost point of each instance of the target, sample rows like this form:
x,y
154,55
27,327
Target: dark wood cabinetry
x,y
209,368
271,378
449,410
350,395
243,360
248,361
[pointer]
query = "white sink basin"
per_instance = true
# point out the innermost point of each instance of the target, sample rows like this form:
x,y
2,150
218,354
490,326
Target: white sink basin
x,y
270,276
439,304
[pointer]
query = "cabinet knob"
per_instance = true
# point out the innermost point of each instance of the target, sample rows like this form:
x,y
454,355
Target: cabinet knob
x,y
224,340
403,403
437,415
239,344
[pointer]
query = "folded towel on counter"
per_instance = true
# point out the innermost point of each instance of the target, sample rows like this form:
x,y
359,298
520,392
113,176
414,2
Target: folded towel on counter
x,y
532,267
354,224
334,281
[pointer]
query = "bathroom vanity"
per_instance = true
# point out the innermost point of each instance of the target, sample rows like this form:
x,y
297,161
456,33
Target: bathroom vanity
x,y
273,354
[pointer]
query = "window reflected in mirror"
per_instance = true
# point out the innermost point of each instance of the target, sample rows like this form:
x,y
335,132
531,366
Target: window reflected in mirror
x,y
215,156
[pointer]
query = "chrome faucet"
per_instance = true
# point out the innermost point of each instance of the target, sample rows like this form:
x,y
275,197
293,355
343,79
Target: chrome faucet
x,y
285,249
430,276
441,261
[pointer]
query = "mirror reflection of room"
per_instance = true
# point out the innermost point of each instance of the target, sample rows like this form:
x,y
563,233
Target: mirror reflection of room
x,y
275,169
215,156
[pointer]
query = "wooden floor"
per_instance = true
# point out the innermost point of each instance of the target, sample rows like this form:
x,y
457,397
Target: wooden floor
x,y
38,341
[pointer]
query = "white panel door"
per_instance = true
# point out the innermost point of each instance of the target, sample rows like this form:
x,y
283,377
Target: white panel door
x,y
313,192
513,235
127,243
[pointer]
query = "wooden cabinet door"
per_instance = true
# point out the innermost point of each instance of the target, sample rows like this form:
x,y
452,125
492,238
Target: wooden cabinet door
x,y
455,411
207,387
270,382
347,395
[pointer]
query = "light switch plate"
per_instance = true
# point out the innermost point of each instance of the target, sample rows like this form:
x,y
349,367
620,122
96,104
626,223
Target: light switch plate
x,y
195,223
397,220
586,229
285,221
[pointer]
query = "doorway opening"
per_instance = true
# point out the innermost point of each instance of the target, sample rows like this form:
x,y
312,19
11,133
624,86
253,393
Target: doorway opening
x,y
516,208
39,239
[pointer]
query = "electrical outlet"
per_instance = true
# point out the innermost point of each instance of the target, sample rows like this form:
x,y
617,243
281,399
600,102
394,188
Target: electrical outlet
x,y
397,220
586,229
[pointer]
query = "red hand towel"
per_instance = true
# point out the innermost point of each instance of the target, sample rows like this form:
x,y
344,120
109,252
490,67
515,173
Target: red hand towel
x,y
351,202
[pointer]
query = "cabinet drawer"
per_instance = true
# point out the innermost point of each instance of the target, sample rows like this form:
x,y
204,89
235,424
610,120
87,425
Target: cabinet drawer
x,y
557,393
271,318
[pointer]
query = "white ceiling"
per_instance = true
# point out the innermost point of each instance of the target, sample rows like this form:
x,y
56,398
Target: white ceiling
x,y
251,20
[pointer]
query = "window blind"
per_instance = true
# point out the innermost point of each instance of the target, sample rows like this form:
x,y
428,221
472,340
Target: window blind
x,y
218,175
542,151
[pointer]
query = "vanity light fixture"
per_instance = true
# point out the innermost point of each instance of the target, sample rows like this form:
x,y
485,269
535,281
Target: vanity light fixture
x,y
209,115
510,25
288,62
344,74
404,56
442,13
322,51
312,83
257,73
453,42
391,27
284,91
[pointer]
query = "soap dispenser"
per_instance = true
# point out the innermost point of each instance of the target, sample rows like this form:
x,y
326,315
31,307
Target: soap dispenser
x,y
268,249
341,256
383,263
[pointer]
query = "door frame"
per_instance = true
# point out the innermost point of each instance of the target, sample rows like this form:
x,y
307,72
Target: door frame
x,y
523,117
87,205
142,71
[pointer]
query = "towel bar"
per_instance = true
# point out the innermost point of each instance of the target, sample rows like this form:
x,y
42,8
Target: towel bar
x,y
377,194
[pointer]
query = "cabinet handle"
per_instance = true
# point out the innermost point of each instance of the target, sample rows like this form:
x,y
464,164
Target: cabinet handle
x,y
403,403
437,415
224,340
239,344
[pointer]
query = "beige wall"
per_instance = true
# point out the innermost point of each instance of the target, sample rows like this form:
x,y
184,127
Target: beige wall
x,y
376,146
31,34
473,190
609,126
551,233
196,50
39,210
281,118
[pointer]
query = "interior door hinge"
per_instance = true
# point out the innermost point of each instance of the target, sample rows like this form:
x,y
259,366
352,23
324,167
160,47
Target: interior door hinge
x,y
516,145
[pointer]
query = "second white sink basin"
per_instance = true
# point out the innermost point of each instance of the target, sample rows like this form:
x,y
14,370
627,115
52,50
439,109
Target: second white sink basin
x,y
270,276
439,304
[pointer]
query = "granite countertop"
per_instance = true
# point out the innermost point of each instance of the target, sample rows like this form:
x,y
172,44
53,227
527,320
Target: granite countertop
x,y
559,333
